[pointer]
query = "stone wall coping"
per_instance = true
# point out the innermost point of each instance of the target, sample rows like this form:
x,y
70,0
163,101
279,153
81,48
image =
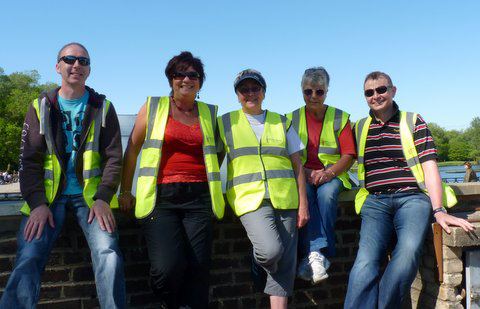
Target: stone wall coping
x,y
12,208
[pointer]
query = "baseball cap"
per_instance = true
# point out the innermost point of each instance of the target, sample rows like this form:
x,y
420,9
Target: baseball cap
x,y
250,74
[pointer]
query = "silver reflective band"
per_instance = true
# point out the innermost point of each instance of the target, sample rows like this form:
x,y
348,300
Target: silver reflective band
x,y
361,183
153,143
360,159
327,150
337,122
154,101
89,146
245,151
296,119
277,151
207,150
92,173
214,176
147,171
48,174
244,179
258,177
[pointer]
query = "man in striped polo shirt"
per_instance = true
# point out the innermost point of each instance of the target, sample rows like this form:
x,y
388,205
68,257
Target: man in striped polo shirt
x,y
395,203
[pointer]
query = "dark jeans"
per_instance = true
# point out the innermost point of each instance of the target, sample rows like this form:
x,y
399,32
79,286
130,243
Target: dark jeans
x,y
179,241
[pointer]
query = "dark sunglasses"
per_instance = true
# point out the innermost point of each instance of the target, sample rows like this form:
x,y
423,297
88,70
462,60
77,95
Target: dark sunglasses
x,y
247,90
379,90
309,92
84,61
190,75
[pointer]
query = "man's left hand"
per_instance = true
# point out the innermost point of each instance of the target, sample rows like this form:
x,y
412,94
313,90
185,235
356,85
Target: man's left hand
x,y
101,210
445,220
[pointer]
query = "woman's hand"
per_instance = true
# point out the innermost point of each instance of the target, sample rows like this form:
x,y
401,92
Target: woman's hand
x,y
303,216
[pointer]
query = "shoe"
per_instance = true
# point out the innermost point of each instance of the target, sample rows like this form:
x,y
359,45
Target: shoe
x,y
304,271
319,265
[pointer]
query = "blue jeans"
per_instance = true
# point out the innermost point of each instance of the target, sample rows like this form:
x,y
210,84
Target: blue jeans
x,y
319,232
23,286
408,215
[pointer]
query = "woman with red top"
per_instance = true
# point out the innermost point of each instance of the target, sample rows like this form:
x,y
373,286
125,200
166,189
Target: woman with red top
x,y
329,154
177,224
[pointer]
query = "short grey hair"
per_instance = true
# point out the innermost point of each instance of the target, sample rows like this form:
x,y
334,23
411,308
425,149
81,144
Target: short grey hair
x,y
70,44
316,75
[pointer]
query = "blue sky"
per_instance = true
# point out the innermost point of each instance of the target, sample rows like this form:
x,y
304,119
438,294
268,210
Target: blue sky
x,y
431,49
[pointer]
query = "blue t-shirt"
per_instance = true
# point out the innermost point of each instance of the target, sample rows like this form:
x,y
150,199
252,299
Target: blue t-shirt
x,y
73,112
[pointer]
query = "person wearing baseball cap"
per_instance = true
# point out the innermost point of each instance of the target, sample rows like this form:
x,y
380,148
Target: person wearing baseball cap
x,y
265,183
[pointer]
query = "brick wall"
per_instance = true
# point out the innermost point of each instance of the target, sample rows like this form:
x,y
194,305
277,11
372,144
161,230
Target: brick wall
x,y
68,280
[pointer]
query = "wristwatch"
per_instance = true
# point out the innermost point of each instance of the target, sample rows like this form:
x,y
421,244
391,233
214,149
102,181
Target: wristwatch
x,y
439,209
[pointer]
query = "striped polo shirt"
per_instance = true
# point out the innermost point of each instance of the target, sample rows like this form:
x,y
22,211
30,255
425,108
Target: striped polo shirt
x,y
385,165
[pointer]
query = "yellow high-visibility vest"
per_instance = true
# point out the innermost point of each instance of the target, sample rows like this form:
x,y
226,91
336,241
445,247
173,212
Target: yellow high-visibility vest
x,y
407,126
92,161
252,164
334,122
157,116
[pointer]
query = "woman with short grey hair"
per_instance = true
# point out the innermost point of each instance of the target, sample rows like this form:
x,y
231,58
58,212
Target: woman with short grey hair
x,y
329,154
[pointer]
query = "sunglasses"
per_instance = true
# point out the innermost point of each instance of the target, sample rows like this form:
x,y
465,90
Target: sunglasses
x,y
309,92
181,75
379,90
247,90
84,61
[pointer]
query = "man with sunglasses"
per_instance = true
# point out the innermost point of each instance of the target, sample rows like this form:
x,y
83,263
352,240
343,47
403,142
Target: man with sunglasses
x,y
400,190
71,157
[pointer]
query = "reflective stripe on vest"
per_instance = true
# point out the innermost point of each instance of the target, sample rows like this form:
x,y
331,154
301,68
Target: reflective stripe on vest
x,y
251,164
91,157
407,127
334,122
157,116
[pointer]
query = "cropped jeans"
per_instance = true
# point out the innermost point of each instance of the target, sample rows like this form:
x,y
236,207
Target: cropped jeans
x,y
408,215
319,233
23,286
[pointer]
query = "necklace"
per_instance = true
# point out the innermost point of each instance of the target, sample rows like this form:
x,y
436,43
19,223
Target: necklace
x,y
183,110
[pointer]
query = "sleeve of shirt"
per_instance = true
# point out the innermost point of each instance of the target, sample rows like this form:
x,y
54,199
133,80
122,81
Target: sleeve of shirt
x,y
294,144
424,141
347,142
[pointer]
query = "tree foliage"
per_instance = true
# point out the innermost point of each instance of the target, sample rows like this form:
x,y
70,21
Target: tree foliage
x,y
17,91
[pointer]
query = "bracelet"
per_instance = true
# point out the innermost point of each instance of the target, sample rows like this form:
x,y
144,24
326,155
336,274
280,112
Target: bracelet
x,y
439,209
331,172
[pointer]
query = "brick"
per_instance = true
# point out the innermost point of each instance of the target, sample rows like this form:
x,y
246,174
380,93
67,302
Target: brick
x,y
8,246
137,270
143,299
339,292
230,290
243,277
459,238
56,275
229,303
453,266
50,292
447,293
70,258
55,258
128,240
5,264
80,290
83,274
242,246
224,263
452,279
138,254
235,232
4,279
90,303
221,248
134,286
70,304
451,253
221,278
349,238
248,302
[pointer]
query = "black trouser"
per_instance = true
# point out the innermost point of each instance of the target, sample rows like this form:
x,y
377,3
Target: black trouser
x,y
179,242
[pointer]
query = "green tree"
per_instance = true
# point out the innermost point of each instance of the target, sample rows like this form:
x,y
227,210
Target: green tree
x,y
472,135
441,140
459,148
17,91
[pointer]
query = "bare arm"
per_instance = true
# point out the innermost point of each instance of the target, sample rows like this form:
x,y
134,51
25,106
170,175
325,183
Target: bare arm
x,y
134,146
319,177
433,182
303,215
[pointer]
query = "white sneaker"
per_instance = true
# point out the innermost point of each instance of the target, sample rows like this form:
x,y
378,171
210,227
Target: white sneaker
x,y
304,270
319,265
